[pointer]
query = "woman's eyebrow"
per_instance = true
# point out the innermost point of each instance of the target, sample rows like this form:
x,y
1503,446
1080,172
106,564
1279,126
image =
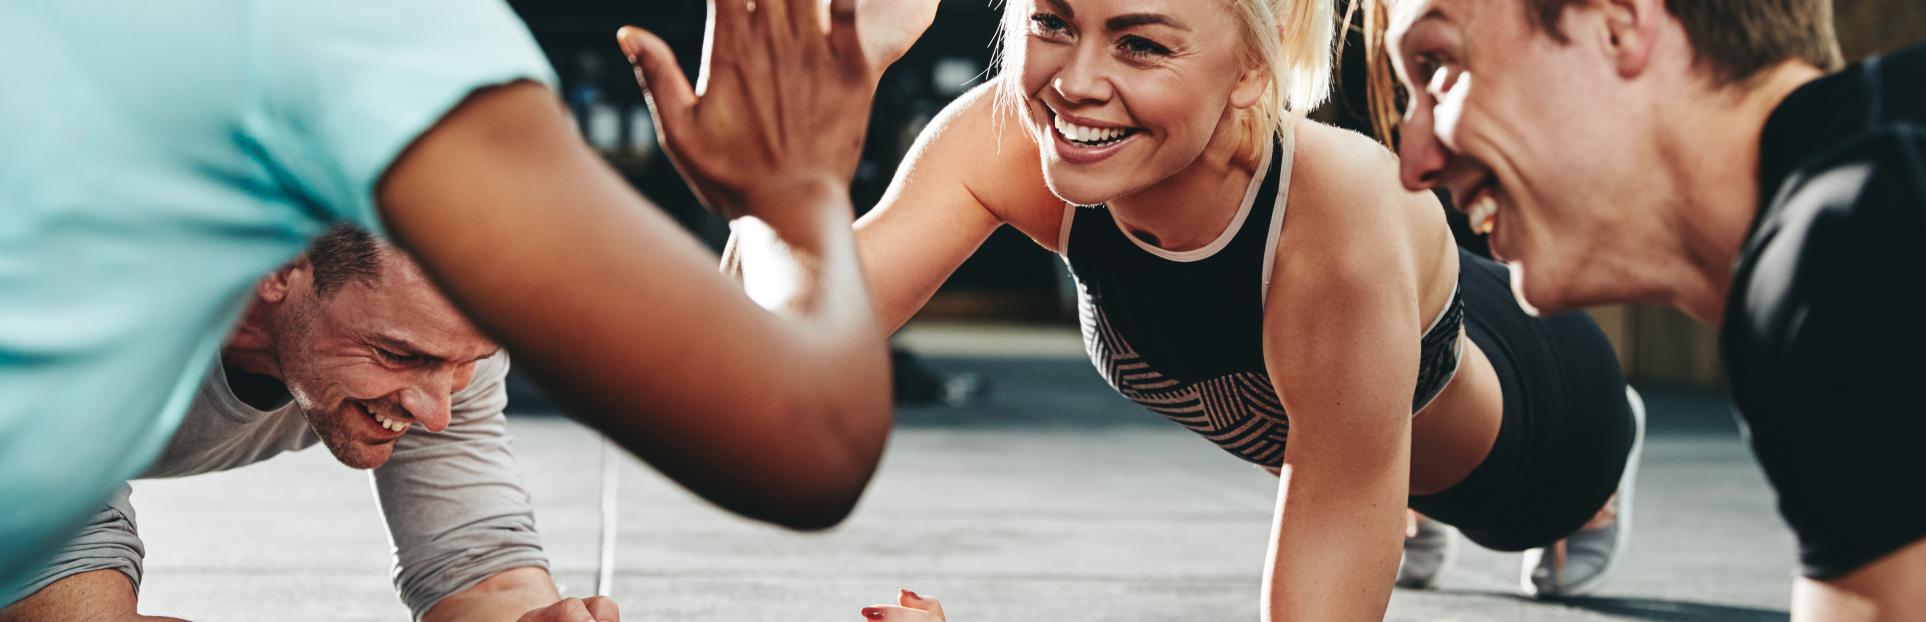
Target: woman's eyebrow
x,y
1133,20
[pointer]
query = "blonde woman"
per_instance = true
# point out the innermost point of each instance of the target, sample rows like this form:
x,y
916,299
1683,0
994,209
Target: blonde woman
x,y
1236,263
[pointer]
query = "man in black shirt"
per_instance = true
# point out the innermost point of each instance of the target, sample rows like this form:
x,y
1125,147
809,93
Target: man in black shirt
x,y
1696,153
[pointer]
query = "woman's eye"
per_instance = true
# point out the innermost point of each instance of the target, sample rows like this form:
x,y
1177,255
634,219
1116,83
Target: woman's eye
x,y
1045,23
1139,47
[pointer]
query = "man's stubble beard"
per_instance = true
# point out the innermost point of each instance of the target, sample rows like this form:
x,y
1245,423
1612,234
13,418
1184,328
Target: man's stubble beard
x,y
295,332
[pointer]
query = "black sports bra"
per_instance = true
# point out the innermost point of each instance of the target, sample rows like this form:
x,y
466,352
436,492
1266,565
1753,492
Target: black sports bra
x,y
1181,333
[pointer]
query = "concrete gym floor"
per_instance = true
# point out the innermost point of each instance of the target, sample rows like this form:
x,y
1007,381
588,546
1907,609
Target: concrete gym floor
x,y
1050,499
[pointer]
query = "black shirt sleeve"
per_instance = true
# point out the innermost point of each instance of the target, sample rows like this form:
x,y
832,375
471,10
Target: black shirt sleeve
x,y
1846,259
1826,344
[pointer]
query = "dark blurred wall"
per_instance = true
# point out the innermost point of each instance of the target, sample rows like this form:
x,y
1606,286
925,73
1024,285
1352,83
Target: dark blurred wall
x,y
1010,277
1874,26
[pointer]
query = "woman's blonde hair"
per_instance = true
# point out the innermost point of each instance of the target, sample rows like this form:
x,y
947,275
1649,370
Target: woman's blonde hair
x,y
1384,95
1291,37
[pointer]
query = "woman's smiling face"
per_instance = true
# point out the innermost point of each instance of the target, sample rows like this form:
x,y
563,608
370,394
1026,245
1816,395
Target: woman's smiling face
x,y
1123,94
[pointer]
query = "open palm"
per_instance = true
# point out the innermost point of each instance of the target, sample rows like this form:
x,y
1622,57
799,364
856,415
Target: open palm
x,y
889,27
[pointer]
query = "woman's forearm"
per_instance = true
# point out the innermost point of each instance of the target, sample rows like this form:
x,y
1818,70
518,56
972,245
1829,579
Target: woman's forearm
x,y
1334,552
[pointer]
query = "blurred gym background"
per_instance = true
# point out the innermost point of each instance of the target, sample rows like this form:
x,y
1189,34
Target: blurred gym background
x,y
1011,281
1048,497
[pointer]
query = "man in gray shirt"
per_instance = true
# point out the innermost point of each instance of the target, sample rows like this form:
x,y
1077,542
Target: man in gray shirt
x,y
351,347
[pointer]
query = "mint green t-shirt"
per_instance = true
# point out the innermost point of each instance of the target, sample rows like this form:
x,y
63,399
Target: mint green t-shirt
x,y
156,159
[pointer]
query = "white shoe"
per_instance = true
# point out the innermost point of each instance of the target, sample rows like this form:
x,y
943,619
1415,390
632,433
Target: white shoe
x,y
1590,555
1426,554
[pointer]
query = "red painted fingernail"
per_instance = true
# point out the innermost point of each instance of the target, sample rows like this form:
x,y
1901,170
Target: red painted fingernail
x,y
912,595
872,613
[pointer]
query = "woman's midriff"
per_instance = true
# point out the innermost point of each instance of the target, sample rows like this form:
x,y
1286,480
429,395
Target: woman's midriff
x,y
1452,435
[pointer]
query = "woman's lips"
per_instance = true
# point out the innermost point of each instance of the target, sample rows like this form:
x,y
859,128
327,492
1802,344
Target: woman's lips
x,y
1072,139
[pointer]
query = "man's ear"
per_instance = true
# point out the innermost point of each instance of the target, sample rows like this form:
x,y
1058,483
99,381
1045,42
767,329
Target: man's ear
x,y
1629,33
283,281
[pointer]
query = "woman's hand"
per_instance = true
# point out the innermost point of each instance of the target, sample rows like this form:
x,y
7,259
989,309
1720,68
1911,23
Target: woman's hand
x,y
783,106
889,28
909,608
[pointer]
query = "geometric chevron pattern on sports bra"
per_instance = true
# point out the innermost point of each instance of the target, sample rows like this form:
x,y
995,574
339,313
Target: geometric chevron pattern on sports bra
x,y
1239,412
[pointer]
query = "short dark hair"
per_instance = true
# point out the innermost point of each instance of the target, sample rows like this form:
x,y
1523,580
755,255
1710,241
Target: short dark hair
x,y
1732,41
345,253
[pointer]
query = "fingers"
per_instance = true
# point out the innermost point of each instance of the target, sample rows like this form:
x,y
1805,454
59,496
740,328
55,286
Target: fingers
x,y
729,15
565,610
664,86
775,17
806,16
603,608
842,30
573,610
910,607
914,601
892,613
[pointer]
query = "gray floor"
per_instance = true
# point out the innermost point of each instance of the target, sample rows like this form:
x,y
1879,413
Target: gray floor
x,y
1049,500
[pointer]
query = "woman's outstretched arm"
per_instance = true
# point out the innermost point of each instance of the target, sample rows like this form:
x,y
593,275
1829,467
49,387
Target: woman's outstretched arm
x,y
966,176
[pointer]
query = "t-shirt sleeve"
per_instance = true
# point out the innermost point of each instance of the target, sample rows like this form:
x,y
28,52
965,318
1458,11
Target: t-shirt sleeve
x,y
1826,347
1844,271
453,500
108,541
340,89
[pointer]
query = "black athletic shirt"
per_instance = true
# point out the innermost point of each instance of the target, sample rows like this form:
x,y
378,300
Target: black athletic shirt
x,y
1182,333
1825,328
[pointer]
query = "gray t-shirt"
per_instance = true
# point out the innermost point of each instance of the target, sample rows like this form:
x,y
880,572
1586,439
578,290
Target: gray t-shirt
x,y
453,501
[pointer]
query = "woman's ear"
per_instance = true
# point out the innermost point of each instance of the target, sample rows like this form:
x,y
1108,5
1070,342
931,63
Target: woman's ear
x,y
1256,79
1251,86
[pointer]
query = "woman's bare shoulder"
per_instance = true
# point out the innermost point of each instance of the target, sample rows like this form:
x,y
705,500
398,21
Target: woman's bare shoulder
x,y
984,143
1350,220
1333,162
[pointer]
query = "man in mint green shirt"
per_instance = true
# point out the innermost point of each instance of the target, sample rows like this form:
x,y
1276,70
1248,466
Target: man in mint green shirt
x,y
160,157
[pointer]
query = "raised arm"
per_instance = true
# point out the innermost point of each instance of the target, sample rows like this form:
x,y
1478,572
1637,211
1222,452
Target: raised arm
x,y
1341,343
966,175
780,417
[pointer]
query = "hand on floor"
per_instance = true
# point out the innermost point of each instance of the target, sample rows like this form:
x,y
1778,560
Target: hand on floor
x,y
909,608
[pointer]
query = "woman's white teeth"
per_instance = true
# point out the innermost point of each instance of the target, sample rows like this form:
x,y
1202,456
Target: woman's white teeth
x,y
390,424
1483,214
1078,133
